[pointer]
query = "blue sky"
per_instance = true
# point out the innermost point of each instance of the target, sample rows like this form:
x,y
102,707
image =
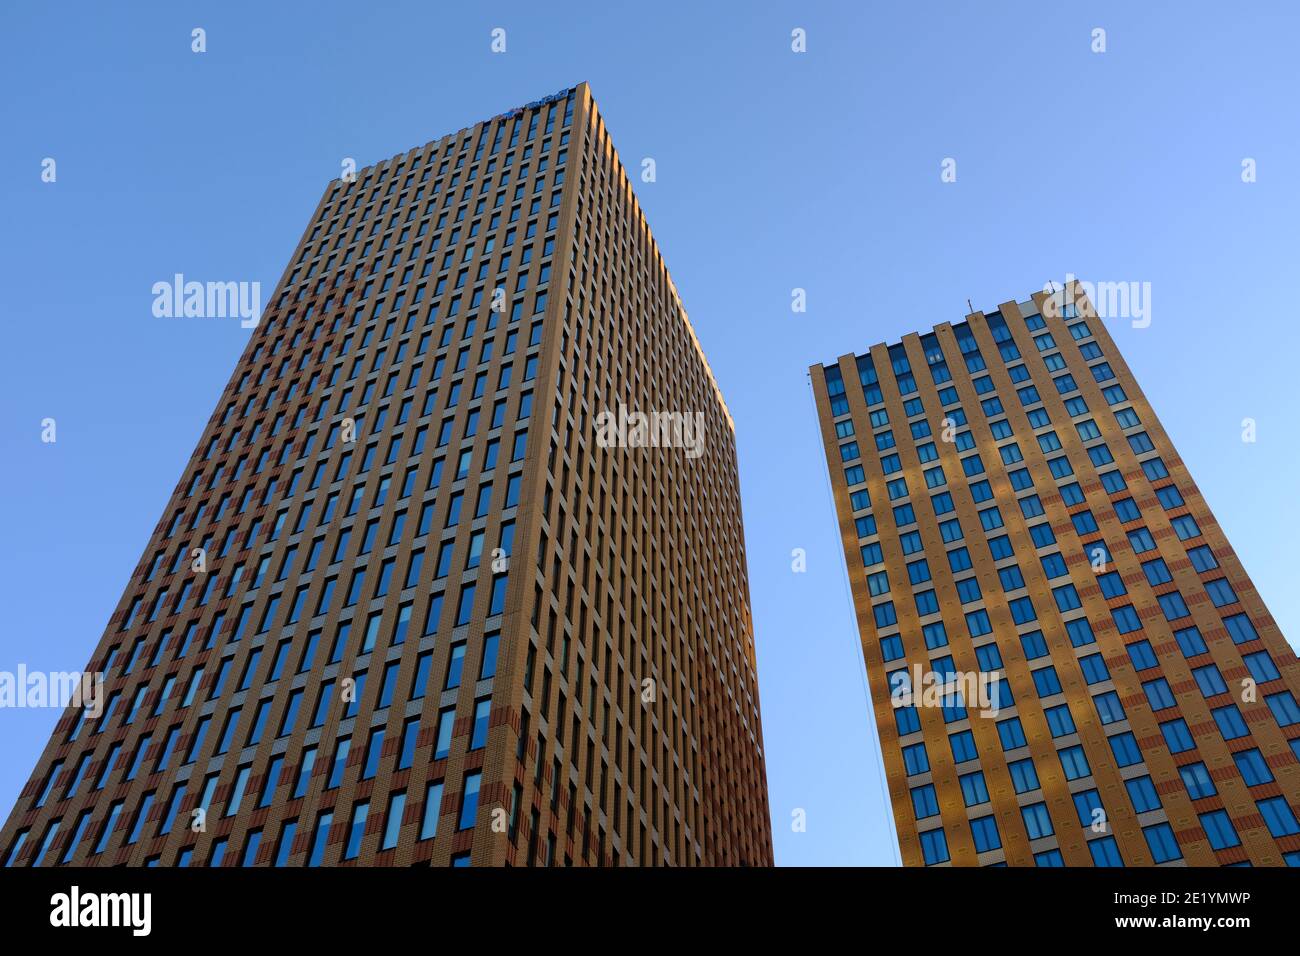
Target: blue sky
x,y
775,170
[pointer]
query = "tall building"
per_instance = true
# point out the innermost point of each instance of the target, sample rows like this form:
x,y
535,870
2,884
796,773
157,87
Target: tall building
x,y
1068,664
405,606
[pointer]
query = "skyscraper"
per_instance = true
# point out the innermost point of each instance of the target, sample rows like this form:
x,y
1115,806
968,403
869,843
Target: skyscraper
x,y
406,605
1068,664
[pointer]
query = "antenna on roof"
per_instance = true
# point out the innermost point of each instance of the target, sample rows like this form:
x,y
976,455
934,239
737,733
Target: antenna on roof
x,y
970,309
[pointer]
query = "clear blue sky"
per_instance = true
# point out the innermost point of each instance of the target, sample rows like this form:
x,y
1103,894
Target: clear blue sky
x,y
775,171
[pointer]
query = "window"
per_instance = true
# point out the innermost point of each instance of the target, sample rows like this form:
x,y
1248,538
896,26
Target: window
x,y
963,746
1159,695
251,845
271,780
106,830
317,853
1230,722
973,788
469,800
1035,646
1111,584
1127,510
465,609
237,794
1094,668
1196,778
1221,592
1284,708
924,802
1202,558
1240,628
1157,572
934,847
1011,733
1105,852
1142,655
1059,720
432,808
990,519
1219,829
1190,641
989,657
356,829
1023,775
1066,597
1046,681
1161,842
918,572
1054,565
884,614
1109,708
1074,762
393,820
482,711
1088,805
1177,736
337,768
1037,821
1279,816
1126,619
442,745
1143,794
1185,526
1253,767
1170,497
1010,577
1209,680
1141,541
218,852
915,759
1153,468
1125,748
1261,666
287,833
984,830
455,666
1042,536
374,748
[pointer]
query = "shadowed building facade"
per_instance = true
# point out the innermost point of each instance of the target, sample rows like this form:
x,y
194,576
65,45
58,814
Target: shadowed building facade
x,y
1018,524
403,608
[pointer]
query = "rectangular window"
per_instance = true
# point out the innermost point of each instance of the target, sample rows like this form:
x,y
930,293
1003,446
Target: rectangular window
x,y
432,808
469,800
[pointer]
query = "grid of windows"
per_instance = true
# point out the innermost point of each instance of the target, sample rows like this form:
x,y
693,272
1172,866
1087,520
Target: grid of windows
x,y
1013,508
399,566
